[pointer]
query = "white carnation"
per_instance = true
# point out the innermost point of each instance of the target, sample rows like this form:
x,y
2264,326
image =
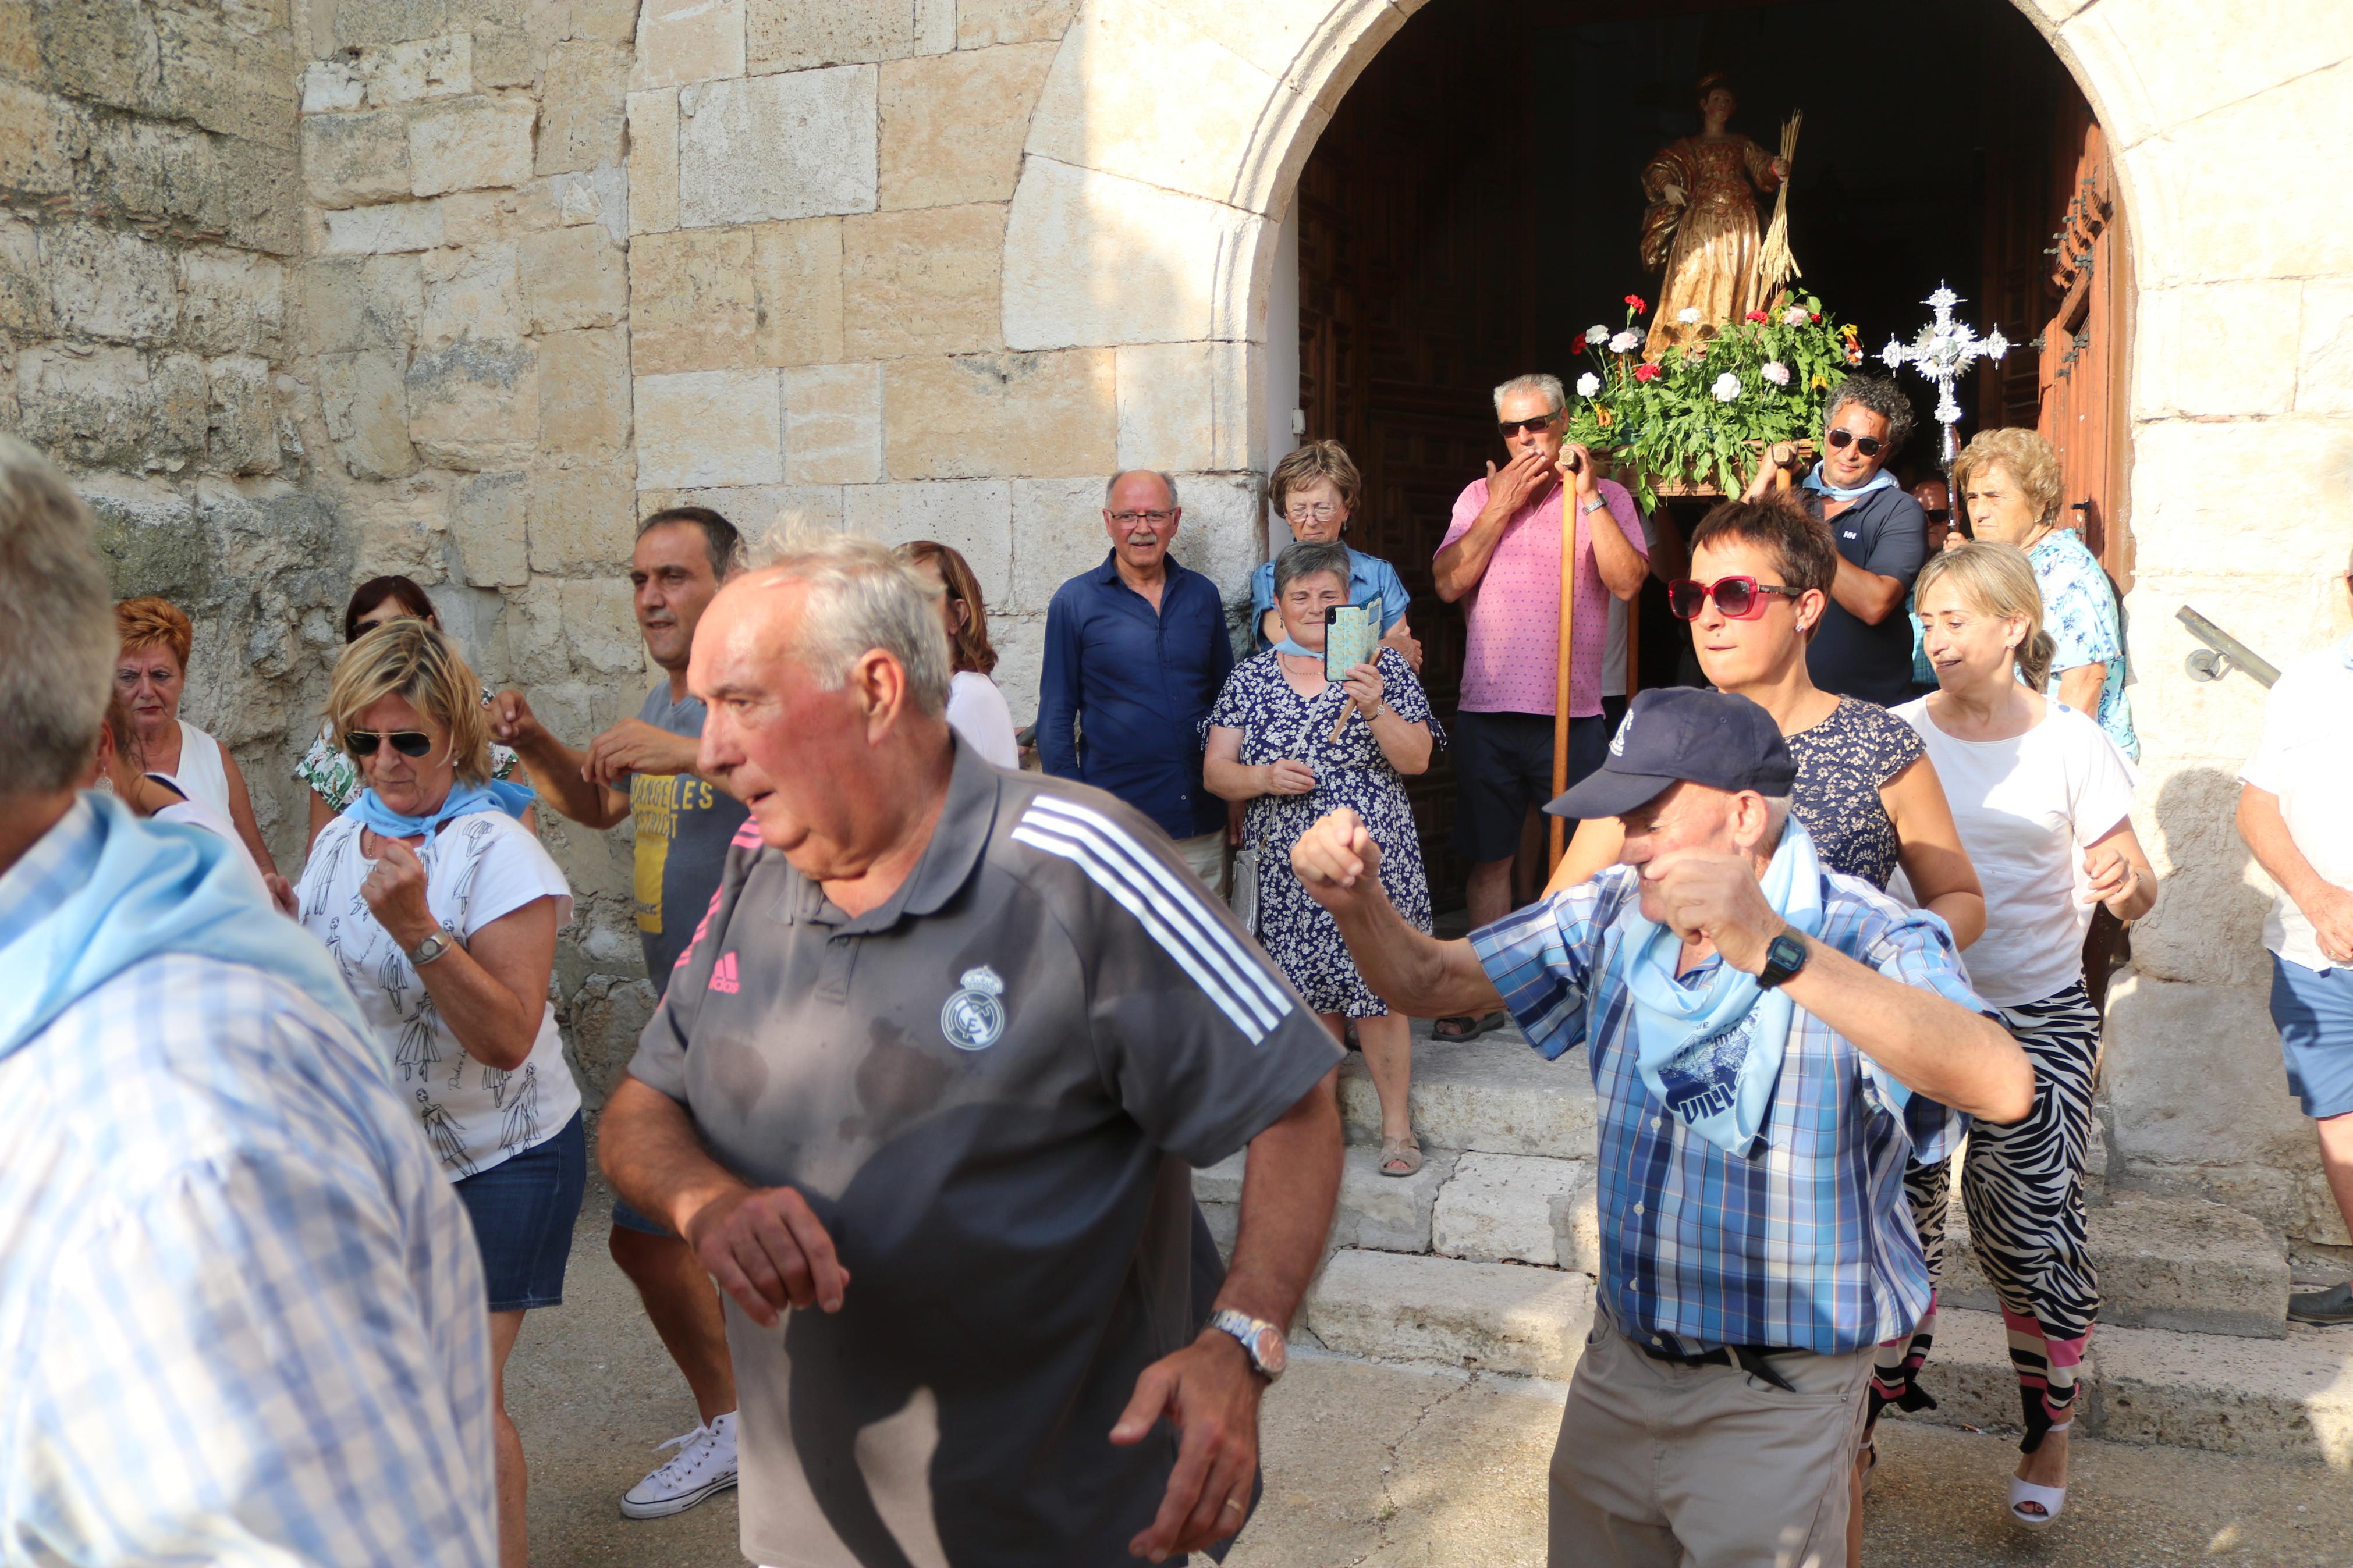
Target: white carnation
x,y
1726,387
1795,316
1625,343
1587,385
1597,334
1688,316
1774,370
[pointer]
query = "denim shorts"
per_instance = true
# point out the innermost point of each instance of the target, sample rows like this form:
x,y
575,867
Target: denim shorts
x,y
626,1217
2313,1010
523,1208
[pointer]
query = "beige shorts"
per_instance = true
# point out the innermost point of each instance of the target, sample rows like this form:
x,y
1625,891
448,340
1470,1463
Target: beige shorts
x,y
1660,1466
1206,853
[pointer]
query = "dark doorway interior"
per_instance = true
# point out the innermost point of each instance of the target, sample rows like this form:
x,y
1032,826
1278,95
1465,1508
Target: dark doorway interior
x,y
1473,207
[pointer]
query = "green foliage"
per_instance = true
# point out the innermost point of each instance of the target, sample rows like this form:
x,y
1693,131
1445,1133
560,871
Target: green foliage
x,y
1666,423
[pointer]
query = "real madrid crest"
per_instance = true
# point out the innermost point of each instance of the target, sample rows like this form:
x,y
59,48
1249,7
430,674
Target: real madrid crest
x,y
973,1018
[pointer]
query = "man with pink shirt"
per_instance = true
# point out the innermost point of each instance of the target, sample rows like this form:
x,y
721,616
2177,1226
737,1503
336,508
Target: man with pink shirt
x,y
1501,558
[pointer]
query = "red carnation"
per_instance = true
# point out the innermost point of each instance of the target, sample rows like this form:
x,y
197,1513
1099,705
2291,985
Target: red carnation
x,y
1815,317
1756,315
1634,301
1646,371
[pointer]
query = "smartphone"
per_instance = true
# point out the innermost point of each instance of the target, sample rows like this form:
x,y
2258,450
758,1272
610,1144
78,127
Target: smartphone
x,y
1349,639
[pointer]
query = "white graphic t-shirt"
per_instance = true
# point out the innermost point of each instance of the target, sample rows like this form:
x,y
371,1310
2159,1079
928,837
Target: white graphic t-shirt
x,y
478,869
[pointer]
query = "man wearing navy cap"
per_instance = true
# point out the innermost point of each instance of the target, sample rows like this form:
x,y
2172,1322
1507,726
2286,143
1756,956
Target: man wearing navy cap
x,y
1770,1040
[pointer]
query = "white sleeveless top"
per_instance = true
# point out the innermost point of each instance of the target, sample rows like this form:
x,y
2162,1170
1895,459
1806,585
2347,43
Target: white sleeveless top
x,y
196,813
201,777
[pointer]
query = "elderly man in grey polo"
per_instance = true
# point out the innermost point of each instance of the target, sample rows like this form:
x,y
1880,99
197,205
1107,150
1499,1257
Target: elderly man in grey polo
x,y
957,1034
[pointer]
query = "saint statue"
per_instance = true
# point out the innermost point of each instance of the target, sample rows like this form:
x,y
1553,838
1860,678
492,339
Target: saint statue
x,y
1701,228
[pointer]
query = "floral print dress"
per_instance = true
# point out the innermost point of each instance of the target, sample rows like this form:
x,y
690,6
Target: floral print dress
x,y
1277,722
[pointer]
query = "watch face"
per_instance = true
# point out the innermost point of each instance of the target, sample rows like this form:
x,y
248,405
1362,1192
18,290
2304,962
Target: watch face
x,y
1270,1351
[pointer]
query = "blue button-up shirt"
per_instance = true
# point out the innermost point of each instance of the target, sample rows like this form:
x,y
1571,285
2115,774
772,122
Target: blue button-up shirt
x,y
1138,685
1810,1244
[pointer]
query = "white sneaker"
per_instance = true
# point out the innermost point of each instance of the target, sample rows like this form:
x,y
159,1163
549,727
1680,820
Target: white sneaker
x,y
704,1464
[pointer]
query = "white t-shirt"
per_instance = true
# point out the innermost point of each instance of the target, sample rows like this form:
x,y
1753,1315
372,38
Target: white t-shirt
x,y
2305,758
2027,809
1614,656
478,869
977,710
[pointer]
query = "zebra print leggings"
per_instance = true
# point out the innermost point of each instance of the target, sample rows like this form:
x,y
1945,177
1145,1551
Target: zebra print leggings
x,y
2022,1186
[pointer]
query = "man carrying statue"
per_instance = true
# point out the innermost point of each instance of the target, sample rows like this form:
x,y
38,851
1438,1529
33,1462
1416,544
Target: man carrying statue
x,y
1769,1042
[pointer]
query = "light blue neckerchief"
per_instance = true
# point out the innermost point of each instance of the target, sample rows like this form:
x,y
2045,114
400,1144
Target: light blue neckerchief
x,y
1295,651
2345,653
1882,480
1711,1052
380,819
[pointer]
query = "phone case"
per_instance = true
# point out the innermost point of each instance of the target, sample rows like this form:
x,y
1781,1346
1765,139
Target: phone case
x,y
1349,639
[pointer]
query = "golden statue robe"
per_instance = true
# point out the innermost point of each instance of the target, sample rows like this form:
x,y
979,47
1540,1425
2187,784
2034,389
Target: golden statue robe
x,y
1706,248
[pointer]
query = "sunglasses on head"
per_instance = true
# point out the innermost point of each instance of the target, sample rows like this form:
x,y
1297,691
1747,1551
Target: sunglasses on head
x,y
1867,445
407,743
1511,427
1739,598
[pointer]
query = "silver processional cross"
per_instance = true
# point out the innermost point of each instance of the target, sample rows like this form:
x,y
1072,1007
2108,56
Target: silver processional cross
x,y
1941,352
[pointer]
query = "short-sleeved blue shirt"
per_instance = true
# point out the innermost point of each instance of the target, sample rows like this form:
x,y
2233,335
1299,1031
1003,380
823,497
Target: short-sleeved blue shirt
x,y
1370,578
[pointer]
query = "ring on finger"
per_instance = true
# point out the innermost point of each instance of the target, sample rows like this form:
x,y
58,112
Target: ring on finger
x,y
1235,1504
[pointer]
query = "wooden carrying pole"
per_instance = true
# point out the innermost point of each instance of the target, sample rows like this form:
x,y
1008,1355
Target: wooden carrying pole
x,y
1569,509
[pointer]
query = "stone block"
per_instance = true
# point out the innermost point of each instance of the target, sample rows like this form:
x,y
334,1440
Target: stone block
x,y
1058,533
353,302
2289,1399
381,230
490,520
388,21
1174,255
109,53
24,297
231,301
1224,520
416,69
504,56
583,520
693,298
1021,642
349,160
710,427
833,425
607,1015
599,196
789,35
2209,349
755,508
225,76
974,516
253,192
951,417
332,86
921,281
688,40
470,291
474,404
2223,1104
1492,1096
952,124
2150,81
799,145
573,278
653,161
583,107
2323,374
110,283
1500,1208
584,392
1491,1317
601,624
606,21
364,397
980,22
470,144
39,137
1184,407
796,279
1381,1213
242,423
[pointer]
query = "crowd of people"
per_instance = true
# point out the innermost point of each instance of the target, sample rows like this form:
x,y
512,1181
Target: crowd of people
x,y
901,1161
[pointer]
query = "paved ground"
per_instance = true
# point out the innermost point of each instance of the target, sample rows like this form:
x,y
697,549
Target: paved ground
x,y
1390,1467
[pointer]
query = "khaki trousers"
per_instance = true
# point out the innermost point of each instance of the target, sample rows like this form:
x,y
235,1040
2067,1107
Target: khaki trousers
x,y
1206,853
1669,1466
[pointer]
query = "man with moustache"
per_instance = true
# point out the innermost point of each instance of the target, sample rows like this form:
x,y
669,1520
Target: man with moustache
x,y
1136,652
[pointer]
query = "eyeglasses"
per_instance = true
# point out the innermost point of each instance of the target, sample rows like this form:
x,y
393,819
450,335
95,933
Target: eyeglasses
x,y
1132,517
1740,599
1511,427
1867,445
407,743
1322,511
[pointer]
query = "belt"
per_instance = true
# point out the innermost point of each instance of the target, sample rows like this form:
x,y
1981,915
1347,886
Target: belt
x,y
1749,1359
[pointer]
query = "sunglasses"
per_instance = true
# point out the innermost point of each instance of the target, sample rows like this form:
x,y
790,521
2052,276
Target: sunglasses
x,y
1740,599
407,743
1867,445
1511,427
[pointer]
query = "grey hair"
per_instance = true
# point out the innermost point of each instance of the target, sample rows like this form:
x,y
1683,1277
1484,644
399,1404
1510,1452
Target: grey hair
x,y
1880,396
1305,559
57,641
861,597
1776,817
1166,482
1535,381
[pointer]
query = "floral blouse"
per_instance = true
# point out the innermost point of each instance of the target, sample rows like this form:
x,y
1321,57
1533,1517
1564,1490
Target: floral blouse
x,y
1842,763
334,778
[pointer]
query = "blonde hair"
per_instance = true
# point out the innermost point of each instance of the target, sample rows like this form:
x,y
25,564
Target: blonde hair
x,y
1997,579
2021,454
414,660
150,622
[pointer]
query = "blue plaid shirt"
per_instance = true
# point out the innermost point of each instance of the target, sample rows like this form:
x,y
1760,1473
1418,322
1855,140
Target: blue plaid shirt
x,y
1809,1244
240,1306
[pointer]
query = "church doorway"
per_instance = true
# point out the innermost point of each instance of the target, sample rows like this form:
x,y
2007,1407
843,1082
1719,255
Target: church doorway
x,y
1475,207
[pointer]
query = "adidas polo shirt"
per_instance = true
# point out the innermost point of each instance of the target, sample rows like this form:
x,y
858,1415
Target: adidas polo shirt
x,y
990,1089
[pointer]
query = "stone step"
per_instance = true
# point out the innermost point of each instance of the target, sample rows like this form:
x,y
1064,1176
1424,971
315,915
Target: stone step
x,y
1491,1096
2291,1398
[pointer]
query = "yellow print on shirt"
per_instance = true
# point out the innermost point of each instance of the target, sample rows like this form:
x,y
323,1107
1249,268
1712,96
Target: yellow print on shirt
x,y
655,801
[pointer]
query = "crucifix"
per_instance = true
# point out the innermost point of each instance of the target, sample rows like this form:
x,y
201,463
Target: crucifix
x,y
1943,350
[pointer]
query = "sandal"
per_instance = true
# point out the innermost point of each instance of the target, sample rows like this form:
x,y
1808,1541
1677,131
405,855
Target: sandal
x,y
2045,1501
1403,1152
1455,1030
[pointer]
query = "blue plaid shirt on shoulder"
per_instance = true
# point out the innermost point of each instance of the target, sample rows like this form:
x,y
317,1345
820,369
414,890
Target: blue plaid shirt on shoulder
x,y
1809,1244
240,1306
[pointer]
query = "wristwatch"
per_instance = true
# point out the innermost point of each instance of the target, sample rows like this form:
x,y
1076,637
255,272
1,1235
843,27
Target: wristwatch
x,y
1260,1340
1784,956
431,948
1596,505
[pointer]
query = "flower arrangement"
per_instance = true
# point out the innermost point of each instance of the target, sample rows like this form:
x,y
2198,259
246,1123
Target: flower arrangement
x,y
1698,413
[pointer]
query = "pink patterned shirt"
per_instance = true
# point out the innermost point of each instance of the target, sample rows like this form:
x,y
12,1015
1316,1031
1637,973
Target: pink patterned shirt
x,y
1514,614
